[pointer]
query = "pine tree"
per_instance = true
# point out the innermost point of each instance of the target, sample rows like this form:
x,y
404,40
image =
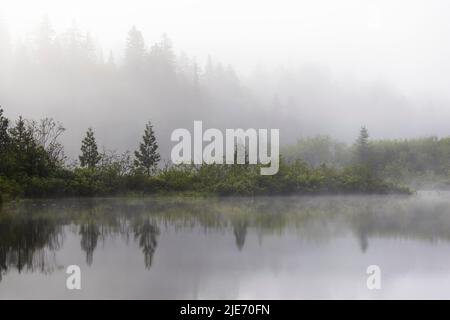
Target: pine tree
x,y
90,156
4,143
362,147
135,50
147,156
20,136
4,137
26,155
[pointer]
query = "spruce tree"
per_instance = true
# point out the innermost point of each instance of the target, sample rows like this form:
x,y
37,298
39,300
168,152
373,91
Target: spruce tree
x,y
27,157
89,152
4,136
135,51
363,147
147,156
4,143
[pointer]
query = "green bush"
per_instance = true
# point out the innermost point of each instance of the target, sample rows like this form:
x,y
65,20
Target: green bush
x,y
9,188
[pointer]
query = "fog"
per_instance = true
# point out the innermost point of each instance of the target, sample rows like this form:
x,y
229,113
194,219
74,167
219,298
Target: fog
x,y
307,68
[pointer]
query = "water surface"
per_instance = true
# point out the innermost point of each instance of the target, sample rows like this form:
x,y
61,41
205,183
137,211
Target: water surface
x,y
232,248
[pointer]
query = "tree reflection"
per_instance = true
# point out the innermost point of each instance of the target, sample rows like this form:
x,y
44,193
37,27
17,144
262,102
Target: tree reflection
x,y
89,236
25,242
363,223
147,233
240,232
31,232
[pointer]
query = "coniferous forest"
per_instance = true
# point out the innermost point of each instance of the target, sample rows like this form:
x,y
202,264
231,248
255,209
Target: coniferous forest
x,y
207,151
33,165
40,159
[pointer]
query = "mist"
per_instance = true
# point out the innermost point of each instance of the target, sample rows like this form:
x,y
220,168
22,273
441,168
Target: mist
x,y
305,68
208,149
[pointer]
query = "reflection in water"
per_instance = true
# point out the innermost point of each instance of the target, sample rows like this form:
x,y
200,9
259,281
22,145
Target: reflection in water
x,y
147,233
89,236
23,241
363,226
33,232
240,231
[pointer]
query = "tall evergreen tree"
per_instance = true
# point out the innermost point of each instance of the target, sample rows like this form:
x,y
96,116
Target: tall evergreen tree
x,y
90,156
363,147
4,143
26,155
147,156
135,49
4,137
20,135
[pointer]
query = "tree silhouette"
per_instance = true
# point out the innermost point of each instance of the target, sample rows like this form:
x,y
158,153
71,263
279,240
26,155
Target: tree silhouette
x,y
147,234
4,144
135,51
46,133
89,152
147,156
4,136
240,233
362,147
27,156
89,237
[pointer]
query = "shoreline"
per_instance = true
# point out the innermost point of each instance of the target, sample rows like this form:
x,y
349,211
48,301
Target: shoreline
x,y
203,195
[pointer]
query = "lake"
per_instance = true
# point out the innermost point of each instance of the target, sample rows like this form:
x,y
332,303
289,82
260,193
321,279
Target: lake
x,y
227,248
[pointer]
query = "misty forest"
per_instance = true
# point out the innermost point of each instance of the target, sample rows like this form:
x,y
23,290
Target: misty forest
x,y
44,158
139,155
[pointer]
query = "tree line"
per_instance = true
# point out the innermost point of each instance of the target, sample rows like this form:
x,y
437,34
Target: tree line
x,y
33,164
418,162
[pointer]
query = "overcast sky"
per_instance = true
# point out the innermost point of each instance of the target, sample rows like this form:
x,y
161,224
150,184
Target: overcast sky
x,y
403,42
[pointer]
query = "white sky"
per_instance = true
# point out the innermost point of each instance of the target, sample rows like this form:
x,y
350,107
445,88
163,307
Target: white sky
x,y
404,42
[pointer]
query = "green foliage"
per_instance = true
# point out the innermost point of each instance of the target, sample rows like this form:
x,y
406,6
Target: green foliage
x,y
89,152
31,166
417,162
292,178
318,150
9,188
420,161
362,148
45,187
4,142
147,156
21,154
4,136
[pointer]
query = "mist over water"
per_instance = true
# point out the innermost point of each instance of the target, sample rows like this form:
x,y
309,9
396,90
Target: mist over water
x,y
358,90
228,248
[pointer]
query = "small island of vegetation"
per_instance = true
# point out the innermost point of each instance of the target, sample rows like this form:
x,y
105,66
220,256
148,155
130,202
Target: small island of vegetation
x,y
33,164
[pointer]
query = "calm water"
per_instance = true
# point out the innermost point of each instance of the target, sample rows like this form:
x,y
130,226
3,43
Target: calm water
x,y
268,248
